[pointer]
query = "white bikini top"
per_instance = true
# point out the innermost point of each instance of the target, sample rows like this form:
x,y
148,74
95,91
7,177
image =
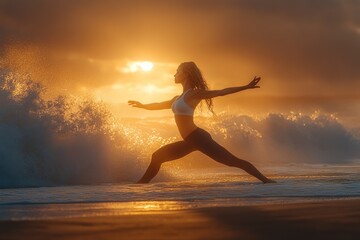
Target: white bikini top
x,y
180,107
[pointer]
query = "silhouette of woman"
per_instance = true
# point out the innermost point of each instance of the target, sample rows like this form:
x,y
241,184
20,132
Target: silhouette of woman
x,y
194,138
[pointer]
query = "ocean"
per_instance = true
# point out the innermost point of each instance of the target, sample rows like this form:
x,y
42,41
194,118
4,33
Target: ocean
x,y
69,156
193,189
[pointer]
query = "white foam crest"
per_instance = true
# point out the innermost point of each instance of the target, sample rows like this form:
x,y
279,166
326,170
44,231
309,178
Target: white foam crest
x,y
292,137
64,140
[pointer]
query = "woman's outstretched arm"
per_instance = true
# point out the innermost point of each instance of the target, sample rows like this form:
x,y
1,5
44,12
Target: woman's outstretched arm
x,y
152,106
204,94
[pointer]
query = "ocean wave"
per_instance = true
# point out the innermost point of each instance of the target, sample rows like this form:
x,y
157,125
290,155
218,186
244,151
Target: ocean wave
x,y
66,140
63,140
288,138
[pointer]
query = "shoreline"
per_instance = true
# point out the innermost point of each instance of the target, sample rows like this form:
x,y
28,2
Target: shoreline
x,y
333,219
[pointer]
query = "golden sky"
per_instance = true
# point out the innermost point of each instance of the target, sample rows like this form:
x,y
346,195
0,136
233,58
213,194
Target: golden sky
x,y
306,51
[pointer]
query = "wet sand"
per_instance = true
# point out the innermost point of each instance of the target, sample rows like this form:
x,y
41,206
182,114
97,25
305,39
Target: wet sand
x,y
335,219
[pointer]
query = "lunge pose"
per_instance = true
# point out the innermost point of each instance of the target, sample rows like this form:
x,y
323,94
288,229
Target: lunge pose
x,y
194,138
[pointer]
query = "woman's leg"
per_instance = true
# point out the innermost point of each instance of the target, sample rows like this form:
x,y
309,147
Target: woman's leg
x,y
204,143
166,153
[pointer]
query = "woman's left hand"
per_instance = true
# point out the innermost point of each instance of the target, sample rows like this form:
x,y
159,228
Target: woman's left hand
x,y
254,82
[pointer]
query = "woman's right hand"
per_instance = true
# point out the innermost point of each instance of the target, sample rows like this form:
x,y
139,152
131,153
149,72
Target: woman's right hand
x,y
254,82
135,104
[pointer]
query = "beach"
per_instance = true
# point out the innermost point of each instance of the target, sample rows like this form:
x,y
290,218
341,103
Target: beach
x,y
321,219
203,100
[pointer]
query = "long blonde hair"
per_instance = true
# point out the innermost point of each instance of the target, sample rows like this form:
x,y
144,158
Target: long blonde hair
x,y
197,80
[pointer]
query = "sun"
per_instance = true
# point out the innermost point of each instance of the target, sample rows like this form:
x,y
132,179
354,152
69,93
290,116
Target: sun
x,y
146,66
138,66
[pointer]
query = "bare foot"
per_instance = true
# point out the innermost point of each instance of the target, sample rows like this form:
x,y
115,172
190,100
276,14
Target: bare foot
x,y
270,181
141,182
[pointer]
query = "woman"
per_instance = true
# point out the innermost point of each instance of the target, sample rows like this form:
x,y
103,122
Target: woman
x,y
194,90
